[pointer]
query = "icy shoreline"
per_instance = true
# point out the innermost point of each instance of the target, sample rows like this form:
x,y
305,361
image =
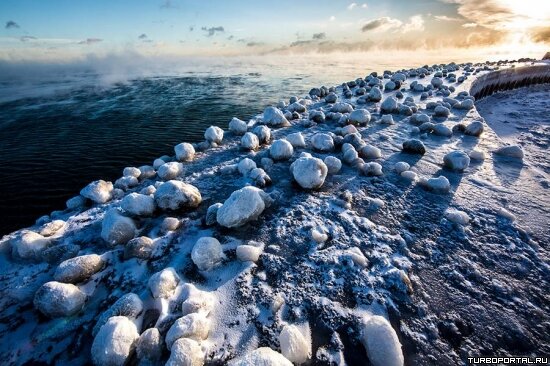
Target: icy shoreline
x,y
375,197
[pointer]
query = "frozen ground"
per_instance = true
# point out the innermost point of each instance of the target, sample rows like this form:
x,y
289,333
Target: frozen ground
x,y
458,272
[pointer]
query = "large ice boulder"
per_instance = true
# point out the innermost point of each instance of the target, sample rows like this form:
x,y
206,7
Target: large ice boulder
x,y
30,245
117,229
186,352
511,151
414,146
196,301
263,356
359,117
440,129
237,126
194,326
381,342
389,105
342,107
214,134
162,284
141,247
250,141
440,184
207,253
333,164
281,150
375,95
244,205
274,117
322,142
294,345
245,166
184,151
138,204
149,346
128,305
173,195
263,133
309,172
296,140
99,191
170,170
456,160
114,342
441,111
78,269
247,253
56,299
474,129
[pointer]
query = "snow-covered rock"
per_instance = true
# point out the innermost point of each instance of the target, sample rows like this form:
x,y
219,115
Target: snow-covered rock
x,y
389,105
140,247
371,152
186,352
401,166
196,301
511,151
414,146
117,229
359,117
474,129
245,166
248,253
477,155
114,342
149,346
263,356
381,342
409,175
309,172
98,191
147,171
237,126
274,117
76,202
341,107
372,169
184,151
250,141
56,299
131,172
456,160
296,140
138,204
170,170
458,217
213,134
331,98
281,150
125,183
194,326
502,212
387,119
53,227
375,95
294,346
174,195
170,224
162,284
30,245
440,184
322,142
441,130
333,164
244,205
78,269
297,107
128,305
441,111
207,253
263,133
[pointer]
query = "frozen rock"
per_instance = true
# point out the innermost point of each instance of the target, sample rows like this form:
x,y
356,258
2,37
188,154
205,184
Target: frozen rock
x,y
263,133
78,269
333,164
341,107
98,191
117,229
371,152
138,204
245,166
502,212
294,346
322,142
386,119
263,356
281,150
474,129
131,172
317,116
309,172
401,166
260,177
56,299
194,326
357,257
420,118
319,235
297,107
237,126
128,305
441,130
477,155
114,342
346,130
211,214
359,117
147,171
207,253
158,162
124,183
174,195
414,146
149,345
441,111
248,253
75,202
375,95
169,224
184,151
409,175
274,117
250,141
466,104
214,134
170,170
381,342
149,190
196,301
372,169
162,284
350,155
296,140
440,184
186,352
331,98
140,247
30,245
511,151
458,217
456,160
53,227
244,205
389,105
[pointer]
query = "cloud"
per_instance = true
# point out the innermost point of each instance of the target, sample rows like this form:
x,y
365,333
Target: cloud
x,y
319,36
351,6
415,24
332,18
364,6
541,35
254,44
444,18
27,38
191,28
168,4
11,24
230,38
383,23
142,36
90,41
469,25
212,30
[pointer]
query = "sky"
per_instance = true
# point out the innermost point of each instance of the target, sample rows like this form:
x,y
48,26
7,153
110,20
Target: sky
x,y
37,30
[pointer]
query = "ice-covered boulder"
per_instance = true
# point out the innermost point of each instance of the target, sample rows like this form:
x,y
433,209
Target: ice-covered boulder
x,y
440,129
237,126
138,204
207,253
457,216
244,205
131,172
359,117
440,184
245,166
474,129
162,284
125,183
342,107
247,252
401,166
331,98
263,133
186,352
347,129
281,150
333,164
213,134
414,146
477,155
260,177
263,356
294,346
456,160
98,191
375,95
372,169
147,171
387,119
511,151
211,214
381,342
56,299
170,224
149,346
53,227
274,117
78,269
437,82
317,116
441,111
194,326
389,105
371,152
174,195
196,301
184,151
296,140
76,202
128,305
171,170
30,245
158,162
250,141
297,107
309,172
114,342
117,229
140,247
322,142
